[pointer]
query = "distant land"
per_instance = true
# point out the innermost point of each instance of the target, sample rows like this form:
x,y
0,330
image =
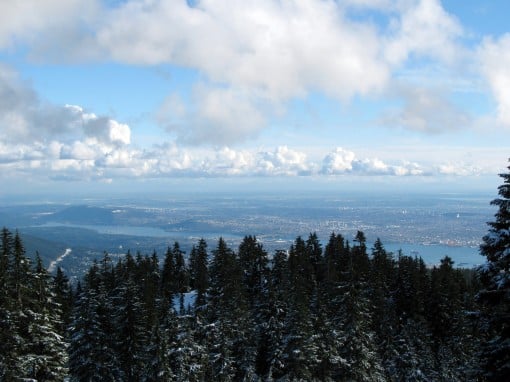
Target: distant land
x,y
428,225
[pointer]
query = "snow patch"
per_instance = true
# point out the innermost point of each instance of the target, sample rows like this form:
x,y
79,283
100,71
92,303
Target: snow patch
x,y
188,300
54,263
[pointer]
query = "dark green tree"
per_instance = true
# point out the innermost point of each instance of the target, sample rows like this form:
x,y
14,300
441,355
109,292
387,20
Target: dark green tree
x,y
181,275
495,295
231,342
45,354
199,270
130,331
63,297
9,343
168,283
254,265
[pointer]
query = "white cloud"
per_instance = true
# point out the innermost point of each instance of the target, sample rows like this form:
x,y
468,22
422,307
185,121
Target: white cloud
x,y
338,162
281,49
425,29
103,129
58,141
494,55
25,117
425,110
77,150
258,55
253,59
253,56
52,29
459,169
283,161
341,162
172,160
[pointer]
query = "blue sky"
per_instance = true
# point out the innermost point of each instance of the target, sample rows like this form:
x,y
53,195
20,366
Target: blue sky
x,y
97,95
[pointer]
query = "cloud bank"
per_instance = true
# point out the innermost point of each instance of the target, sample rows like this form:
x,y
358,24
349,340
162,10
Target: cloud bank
x,y
256,56
251,59
41,141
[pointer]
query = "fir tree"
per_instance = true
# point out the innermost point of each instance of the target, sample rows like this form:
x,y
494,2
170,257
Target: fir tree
x,y
63,297
92,352
495,278
199,269
130,331
160,344
181,275
91,356
231,329
9,340
45,354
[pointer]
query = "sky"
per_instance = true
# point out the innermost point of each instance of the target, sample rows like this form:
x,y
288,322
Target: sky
x,y
141,94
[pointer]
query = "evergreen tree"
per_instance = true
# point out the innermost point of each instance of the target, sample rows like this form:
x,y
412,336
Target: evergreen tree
x,y
314,251
91,354
359,352
63,297
130,331
9,341
168,285
231,329
270,361
199,271
254,265
495,278
181,275
160,344
45,354
359,258
92,351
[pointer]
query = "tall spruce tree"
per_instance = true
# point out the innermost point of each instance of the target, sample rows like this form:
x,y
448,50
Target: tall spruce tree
x,y
181,275
63,297
45,353
168,285
231,334
8,340
199,273
130,331
495,278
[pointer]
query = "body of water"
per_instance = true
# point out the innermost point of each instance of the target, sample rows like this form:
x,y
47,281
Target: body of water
x,y
464,257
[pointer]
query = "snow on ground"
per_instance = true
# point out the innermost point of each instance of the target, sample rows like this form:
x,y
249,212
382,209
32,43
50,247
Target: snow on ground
x,y
54,263
189,300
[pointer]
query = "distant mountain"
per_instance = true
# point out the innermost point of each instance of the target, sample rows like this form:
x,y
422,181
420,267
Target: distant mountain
x,y
83,215
48,250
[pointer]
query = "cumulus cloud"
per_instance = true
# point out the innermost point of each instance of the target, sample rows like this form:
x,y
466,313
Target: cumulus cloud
x,y
494,55
217,116
425,110
258,55
283,161
342,161
51,28
25,117
103,129
276,48
424,28
459,169
337,162
254,57
64,142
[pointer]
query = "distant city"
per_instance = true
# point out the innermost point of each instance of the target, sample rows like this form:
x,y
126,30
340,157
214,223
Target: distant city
x,y
72,234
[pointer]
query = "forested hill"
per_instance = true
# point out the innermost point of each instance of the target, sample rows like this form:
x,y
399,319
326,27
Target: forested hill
x,y
339,312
